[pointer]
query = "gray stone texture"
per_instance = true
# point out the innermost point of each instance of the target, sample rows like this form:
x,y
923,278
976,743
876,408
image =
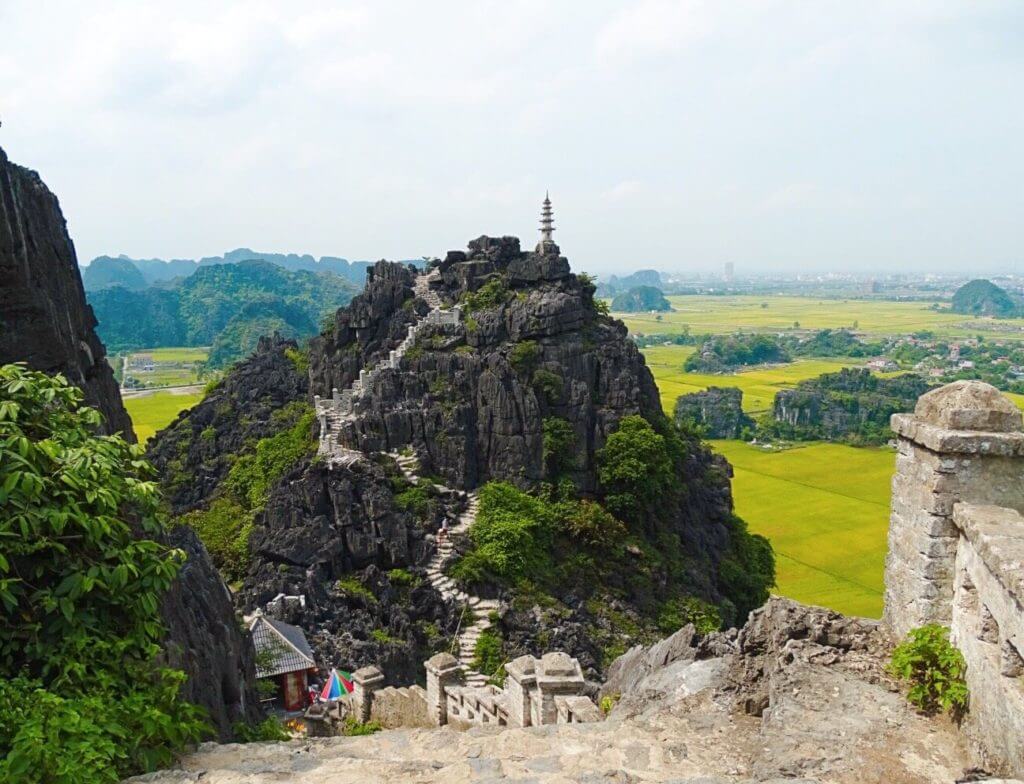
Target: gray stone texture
x,y
936,468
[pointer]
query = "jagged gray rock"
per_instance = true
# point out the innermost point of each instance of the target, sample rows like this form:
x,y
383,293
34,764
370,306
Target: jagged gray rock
x,y
44,319
718,410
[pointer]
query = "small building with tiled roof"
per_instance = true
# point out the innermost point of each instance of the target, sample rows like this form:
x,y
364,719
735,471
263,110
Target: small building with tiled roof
x,y
283,655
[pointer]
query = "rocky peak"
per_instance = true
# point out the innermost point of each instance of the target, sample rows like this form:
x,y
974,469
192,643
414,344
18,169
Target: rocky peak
x,y
44,319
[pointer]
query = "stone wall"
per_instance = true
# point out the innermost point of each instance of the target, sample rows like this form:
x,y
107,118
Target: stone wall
x,y
956,550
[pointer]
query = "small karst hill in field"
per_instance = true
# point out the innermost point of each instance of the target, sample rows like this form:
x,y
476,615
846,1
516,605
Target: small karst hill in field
x,y
641,299
984,298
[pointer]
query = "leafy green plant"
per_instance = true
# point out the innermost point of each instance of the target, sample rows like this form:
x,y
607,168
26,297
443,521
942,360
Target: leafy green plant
x,y
299,359
559,442
608,702
523,356
548,384
353,728
493,293
934,668
676,613
634,467
489,655
270,729
81,696
352,587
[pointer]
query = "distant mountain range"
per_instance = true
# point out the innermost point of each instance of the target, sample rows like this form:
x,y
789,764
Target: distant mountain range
x,y
103,272
225,306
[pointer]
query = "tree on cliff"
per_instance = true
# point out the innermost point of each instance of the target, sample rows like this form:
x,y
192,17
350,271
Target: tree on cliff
x,y
82,572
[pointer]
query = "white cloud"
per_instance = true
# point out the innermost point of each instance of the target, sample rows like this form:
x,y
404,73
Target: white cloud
x,y
654,27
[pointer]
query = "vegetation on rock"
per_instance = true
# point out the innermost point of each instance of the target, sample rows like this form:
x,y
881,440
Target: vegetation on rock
x,y
927,660
228,307
852,405
82,697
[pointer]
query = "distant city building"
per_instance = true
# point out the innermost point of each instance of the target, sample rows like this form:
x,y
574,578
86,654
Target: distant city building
x,y
730,272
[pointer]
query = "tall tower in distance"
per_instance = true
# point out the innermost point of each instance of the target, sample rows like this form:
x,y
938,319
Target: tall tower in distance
x,y
547,225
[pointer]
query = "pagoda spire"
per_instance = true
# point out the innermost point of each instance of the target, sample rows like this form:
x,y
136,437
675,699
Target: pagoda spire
x,y
547,220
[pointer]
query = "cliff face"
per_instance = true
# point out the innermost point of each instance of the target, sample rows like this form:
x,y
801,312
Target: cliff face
x,y
314,528
46,323
472,400
44,320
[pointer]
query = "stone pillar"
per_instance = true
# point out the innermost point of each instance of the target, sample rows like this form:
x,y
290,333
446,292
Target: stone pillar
x,y
520,682
443,671
335,395
365,681
558,674
962,443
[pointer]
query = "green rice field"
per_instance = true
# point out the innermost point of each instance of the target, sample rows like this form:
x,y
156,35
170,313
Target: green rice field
x,y
825,509
153,411
718,315
759,385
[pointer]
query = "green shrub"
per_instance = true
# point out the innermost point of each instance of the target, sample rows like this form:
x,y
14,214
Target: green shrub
x,y
747,570
418,500
82,573
608,702
255,472
934,669
402,577
224,528
353,728
352,587
592,524
676,613
382,636
270,729
559,446
511,536
523,356
299,359
493,293
634,467
548,384
489,655
209,433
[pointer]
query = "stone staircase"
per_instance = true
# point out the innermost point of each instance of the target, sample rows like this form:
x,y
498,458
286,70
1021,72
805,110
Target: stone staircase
x,y
334,411
477,614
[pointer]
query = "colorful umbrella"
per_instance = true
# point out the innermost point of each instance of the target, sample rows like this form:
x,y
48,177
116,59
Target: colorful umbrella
x,y
337,685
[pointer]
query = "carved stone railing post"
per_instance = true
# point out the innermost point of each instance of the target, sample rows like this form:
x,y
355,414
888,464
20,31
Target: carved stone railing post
x,y
365,681
962,443
443,671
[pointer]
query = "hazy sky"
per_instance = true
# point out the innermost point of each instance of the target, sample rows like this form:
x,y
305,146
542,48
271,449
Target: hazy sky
x,y
811,135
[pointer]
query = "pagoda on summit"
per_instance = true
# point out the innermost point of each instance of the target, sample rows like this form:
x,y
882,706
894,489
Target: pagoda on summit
x,y
547,225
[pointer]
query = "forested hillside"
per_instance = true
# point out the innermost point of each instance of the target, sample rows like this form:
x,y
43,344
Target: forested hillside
x,y
226,306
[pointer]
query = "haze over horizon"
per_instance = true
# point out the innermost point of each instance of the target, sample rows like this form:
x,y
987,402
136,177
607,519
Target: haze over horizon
x,y
679,135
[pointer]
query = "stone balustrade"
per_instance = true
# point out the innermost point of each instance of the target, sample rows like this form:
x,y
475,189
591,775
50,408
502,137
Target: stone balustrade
x,y
548,690
956,550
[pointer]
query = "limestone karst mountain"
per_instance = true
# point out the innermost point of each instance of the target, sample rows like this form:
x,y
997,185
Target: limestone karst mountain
x,y
46,323
469,371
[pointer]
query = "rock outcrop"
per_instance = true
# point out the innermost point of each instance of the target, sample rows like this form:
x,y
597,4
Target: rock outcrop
x,y
195,452
852,404
46,323
718,411
471,400
44,319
